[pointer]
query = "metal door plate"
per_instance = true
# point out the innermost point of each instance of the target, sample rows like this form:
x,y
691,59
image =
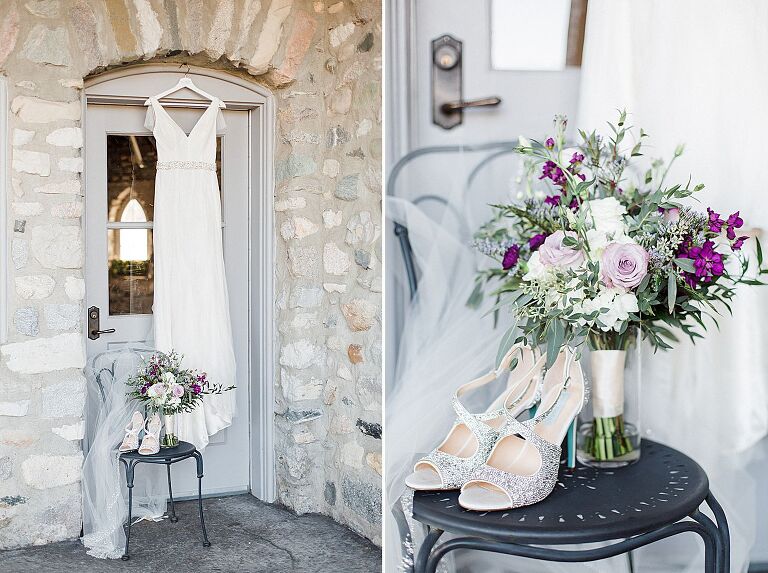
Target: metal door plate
x,y
446,80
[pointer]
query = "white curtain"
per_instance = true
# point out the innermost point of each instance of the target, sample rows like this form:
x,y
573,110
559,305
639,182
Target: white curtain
x,y
696,72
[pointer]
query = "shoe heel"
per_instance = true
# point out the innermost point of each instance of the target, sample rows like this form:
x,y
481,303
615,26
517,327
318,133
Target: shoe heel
x,y
570,444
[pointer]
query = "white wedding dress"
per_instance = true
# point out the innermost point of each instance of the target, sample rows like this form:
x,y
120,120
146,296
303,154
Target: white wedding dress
x,y
191,306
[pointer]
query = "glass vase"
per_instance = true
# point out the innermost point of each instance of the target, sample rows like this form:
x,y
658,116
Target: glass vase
x,y
170,439
609,430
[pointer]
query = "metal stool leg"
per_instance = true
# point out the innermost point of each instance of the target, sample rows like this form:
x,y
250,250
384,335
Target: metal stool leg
x,y
426,549
719,556
712,543
722,527
199,459
172,517
129,466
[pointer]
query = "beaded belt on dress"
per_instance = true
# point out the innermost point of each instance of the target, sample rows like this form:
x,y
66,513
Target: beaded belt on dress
x,y
186,165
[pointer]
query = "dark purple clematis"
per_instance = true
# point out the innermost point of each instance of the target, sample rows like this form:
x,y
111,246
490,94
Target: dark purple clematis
x,y
549,143
510,257
738,243
536,241
715,222
550,170
734,222
707,262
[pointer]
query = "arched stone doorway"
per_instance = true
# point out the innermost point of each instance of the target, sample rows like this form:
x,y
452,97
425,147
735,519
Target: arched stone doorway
x,y
322,61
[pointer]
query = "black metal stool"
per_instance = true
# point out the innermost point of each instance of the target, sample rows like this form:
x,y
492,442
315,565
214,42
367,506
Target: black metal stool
x,y
635,506
167,456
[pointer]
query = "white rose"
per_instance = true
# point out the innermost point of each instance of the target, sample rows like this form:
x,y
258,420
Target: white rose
x,y
537,271
619,305
598,240
606,215
169,378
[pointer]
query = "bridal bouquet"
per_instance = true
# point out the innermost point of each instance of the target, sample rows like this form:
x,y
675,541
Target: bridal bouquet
x,y
597,250
167,388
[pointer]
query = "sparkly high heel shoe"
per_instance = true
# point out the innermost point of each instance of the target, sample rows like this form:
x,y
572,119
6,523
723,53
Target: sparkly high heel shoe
x,y
131,439
470,440
522,467
150,444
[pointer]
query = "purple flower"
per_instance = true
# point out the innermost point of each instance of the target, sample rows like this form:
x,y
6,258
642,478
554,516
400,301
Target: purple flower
x,y
715,222
196,388
554,253
577,158
734,222
536,241
144,389
549,143
624,265
511,257
707,262
550,170
738,243
553,200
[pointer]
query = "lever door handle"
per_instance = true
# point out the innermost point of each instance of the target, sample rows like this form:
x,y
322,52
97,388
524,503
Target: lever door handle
x,y
459,105
96,333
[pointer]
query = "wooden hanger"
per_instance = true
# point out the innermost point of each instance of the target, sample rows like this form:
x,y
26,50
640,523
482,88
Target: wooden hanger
x,y
185,82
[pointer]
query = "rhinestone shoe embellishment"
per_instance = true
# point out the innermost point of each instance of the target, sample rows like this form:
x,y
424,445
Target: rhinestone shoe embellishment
x,y
521,489
454,470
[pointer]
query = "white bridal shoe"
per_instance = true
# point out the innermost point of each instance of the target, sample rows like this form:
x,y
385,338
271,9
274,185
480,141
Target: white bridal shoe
x,y
522,467
150,444
131,440
470,440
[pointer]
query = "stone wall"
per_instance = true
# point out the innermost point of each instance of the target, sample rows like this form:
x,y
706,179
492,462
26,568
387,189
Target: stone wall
x,y
322,61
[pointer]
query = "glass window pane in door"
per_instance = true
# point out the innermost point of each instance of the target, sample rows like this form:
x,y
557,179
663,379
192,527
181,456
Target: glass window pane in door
x,y
131,287
131,166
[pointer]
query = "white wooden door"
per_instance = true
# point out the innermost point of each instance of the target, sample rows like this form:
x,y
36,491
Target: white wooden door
x,y
120,174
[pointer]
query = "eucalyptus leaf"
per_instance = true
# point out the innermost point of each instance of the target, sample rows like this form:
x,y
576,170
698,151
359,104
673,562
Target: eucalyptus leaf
x,y
507,341
671,292
686,265
555,337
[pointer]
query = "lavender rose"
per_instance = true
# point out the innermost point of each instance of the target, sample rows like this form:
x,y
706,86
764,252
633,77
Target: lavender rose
x,y
623,265
554,254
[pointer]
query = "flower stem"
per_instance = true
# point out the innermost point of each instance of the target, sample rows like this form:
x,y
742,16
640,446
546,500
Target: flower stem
x,y
608,440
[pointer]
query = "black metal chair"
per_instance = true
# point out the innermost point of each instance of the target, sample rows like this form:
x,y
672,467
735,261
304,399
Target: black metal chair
x,y
656,498
166,456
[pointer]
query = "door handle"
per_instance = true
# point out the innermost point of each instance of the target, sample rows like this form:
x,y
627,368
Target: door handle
x,y
448,103
94,330
96,333
459,105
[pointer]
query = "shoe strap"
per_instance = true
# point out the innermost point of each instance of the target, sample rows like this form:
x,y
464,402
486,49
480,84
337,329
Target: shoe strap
x,y
570,358
494,373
